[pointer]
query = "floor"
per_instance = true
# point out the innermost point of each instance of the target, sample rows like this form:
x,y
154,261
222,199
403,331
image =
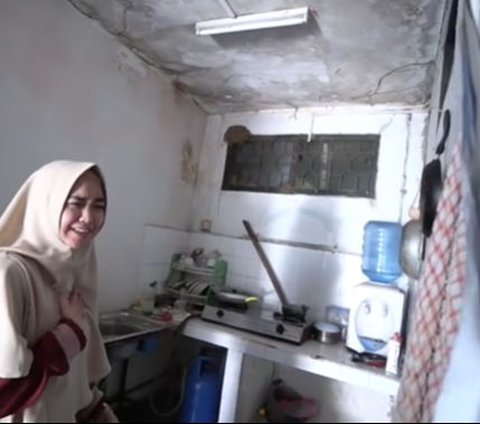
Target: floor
x,y
141,411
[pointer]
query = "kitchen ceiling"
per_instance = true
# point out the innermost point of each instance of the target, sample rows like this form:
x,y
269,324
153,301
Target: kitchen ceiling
x,y
348,52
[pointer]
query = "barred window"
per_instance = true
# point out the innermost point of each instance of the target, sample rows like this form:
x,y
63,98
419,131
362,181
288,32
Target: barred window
x,y
343,165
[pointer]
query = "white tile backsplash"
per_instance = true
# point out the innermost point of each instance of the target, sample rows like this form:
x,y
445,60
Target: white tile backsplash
x,y
149,273
312,277
161,243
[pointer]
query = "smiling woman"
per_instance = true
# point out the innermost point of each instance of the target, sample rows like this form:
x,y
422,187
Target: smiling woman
x,y
84,211
48,298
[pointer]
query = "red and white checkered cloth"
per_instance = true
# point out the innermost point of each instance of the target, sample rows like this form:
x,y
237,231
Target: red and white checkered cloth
x,y
437,311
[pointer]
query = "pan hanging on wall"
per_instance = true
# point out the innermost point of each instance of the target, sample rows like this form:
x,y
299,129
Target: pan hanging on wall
x,y
431,185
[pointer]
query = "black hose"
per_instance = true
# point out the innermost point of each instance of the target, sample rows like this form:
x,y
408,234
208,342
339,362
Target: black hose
x,y
151,399
151,396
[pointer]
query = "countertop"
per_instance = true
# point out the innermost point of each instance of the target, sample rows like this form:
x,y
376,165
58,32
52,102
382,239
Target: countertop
x,y
332,361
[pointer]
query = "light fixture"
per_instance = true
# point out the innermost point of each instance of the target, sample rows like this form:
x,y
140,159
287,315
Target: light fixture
x,y
278,18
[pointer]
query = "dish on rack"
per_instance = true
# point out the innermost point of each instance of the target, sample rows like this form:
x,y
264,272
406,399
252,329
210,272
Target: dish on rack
x,y
192,290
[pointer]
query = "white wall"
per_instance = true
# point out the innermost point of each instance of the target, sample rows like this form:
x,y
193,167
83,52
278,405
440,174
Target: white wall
x,y
331,220
311,276
300,229
68,90
475,5
336,401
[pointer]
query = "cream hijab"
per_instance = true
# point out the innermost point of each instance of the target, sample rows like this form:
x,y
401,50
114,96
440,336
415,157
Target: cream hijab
x,y
29,234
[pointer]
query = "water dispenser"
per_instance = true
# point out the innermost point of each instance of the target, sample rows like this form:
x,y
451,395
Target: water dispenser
x,y
381,251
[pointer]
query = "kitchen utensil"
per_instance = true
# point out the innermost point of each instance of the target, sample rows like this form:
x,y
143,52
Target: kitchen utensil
x,y
328,332
411,248
290,311
234,298
431,184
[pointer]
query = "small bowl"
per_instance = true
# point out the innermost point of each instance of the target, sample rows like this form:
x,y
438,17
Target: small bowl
x,y
328,332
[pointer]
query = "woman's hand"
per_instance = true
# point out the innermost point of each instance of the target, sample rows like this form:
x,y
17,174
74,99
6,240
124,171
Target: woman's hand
x,y
72,307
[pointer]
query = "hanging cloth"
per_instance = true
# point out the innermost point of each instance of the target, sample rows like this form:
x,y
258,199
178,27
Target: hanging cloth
x,y
437,311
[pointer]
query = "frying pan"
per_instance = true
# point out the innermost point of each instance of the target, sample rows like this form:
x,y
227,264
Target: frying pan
x,y
234,298
431,184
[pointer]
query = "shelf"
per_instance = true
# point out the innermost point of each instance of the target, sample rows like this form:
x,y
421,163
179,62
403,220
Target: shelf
x,y
332,361
192,269
182,279
200,300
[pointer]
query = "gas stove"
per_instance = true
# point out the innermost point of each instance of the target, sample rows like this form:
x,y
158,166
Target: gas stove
x,y
259,321
290,325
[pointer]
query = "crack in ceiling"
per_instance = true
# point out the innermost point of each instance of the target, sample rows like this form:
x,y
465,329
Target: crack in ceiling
x,y
350,51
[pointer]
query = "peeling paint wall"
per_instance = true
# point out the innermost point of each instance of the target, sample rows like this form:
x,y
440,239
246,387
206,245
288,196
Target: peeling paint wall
x,y
189,166
70,90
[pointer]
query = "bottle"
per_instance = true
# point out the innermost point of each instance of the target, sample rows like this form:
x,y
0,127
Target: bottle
x,y
148,303
381,251
393,354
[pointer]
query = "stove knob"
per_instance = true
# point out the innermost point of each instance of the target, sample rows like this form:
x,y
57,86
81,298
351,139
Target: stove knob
x,y
220,313
280,329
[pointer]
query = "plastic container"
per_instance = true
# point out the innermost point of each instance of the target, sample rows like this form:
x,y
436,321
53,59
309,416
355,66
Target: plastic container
x,y
203,390
381,251
393,356
285,405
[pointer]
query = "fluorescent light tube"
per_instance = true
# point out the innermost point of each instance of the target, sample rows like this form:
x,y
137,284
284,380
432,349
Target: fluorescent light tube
x,y
278,18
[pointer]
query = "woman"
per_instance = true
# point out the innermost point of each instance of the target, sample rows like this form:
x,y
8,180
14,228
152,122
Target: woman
x,y
51,351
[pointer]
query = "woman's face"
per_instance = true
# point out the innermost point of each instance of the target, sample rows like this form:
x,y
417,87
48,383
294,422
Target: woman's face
x,y
84,212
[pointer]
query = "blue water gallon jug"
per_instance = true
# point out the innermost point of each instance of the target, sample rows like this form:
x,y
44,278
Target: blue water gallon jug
x,y
202,391
381,251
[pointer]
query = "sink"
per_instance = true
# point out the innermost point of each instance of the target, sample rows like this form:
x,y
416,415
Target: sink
x,y
126,333
113,328
121,325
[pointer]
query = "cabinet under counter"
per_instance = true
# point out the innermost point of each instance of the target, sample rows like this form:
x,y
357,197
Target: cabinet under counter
x,y
330,361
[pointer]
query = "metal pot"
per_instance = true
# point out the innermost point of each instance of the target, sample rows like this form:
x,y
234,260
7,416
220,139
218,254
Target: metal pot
x,y
328,332
411,248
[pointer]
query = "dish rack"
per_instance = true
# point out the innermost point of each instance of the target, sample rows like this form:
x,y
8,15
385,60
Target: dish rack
x,y
194,283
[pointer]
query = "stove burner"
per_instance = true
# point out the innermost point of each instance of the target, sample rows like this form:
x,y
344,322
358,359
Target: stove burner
x,y
240,307
288,318
261,321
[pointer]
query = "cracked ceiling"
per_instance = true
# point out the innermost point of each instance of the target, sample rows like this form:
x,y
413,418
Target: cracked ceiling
x,y
349,51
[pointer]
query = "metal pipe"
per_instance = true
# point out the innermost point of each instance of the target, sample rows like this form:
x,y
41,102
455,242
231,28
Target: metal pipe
x,y
266,263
